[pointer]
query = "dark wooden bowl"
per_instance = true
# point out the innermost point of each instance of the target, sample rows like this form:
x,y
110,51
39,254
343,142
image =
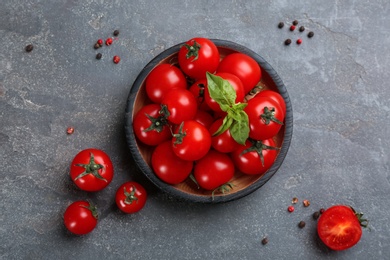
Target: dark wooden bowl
x,y
243,184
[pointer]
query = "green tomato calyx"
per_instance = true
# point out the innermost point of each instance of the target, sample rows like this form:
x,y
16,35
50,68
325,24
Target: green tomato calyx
x,y
130,196
91,168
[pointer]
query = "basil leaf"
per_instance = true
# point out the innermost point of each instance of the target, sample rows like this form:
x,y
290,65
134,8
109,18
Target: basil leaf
x,y
226,123
221,91
240,128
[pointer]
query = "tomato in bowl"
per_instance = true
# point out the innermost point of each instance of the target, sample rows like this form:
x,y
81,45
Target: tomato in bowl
x,y
241,184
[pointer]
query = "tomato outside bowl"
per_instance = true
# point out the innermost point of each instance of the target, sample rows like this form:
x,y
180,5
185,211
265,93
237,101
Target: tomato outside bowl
x,y
243,184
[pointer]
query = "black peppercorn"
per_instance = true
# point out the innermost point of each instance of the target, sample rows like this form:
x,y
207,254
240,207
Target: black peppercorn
x,y
302,28
301,224
96,46
264,241
295,22
98,56
116,33
280,25
316,215
29,48
310,34
287,42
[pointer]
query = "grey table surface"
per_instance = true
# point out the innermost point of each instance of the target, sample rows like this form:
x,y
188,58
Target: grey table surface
x,y
338,82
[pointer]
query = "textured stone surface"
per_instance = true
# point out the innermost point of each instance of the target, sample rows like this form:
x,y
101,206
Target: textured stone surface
x,y
337,81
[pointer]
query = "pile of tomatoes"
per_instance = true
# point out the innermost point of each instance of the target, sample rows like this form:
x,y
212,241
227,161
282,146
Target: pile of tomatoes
x,y
201,122
92,170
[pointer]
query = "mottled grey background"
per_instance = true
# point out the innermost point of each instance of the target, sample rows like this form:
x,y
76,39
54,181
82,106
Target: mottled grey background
x,y
338,82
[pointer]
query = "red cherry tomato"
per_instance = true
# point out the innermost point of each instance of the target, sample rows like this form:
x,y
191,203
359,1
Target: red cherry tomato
x,y
275,96
162,79
339,227
265,117
150,127
236,84
248,160
91,170
167,166
204,118
198,56
191,141
131,197
180,105
80,217
198,90
213,170
223,142
244,67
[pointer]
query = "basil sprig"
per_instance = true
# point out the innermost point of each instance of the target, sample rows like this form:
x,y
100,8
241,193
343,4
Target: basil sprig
x,y
236,120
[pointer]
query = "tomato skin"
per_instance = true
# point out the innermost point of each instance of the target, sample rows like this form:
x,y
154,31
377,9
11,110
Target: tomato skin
x,y
259,130
195,143
207,61
79,219
181,105
214,170
275,96
90,182
244,67
223,142
131,197
339,228
167,166
204,118
236,84
141,123
198,89
162,79
250,162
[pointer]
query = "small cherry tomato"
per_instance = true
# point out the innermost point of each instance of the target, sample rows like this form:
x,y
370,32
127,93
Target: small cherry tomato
x,y
198,56
162,79
179,105
244,67
150,127
223,142
167,166
91,170
131,197
213,170
80,217
198,90
339,227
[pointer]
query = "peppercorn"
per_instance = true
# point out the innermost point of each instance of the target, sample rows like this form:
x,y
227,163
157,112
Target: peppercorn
x,y
100,42
301,224
306,203
294,200
99,56
116,33
299,41
316,215
70,130
302,28
264,241
109,41
310,34
295,22
116,59
29,48
290,209
292,27
287,42
97,46
322,210
281,25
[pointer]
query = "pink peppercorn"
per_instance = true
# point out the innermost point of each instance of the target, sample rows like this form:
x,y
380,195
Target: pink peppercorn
x,y
109,41
116,59
290,209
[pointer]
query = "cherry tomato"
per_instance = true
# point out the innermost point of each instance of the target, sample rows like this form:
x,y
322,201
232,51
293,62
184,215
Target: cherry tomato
x,y
339,227
198,56
275,96
162,79
150,127
91,170
265,117
131,197
198,90
191,141
80,217
179,105
236,84
204,118
248,157
223,142
213,170
244,67
167,166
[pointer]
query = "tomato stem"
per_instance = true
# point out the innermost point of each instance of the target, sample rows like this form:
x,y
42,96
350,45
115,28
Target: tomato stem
x,y
157,124
130,196
363,222
91,168
227,187
193,50
258,146
180,135
92,208
269,115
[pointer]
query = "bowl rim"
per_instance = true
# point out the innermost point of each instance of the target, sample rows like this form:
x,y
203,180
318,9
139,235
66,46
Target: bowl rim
x,y
169,189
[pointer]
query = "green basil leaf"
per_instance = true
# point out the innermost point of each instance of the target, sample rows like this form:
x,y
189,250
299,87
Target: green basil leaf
x,y
221,91
240,128
226,123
